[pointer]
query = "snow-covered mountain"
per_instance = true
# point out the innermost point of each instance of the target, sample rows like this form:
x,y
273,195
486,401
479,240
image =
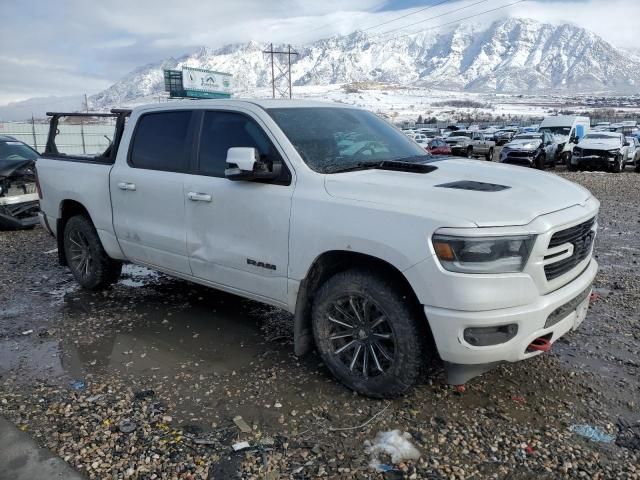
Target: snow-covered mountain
x,y
511,55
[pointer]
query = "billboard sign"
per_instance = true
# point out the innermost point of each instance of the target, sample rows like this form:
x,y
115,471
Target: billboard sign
x,y
199,80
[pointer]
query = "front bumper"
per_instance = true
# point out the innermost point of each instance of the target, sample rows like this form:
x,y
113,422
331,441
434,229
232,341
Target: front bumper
x,y
19,211
448,325
518,158
457,149
594,161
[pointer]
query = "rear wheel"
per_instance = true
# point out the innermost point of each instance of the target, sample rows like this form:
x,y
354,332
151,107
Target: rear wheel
x,y
489,155
367,334
89,263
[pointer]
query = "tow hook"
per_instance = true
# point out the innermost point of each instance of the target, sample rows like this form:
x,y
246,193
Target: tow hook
x,y
540,344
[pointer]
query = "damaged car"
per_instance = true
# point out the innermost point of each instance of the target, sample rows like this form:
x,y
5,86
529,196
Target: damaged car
x,y
18,194
600,150
531,150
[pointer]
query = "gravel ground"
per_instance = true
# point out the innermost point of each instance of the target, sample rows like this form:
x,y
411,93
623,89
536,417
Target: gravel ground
x,y
145,380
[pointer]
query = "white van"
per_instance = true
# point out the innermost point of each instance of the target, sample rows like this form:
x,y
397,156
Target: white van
x,y
568,130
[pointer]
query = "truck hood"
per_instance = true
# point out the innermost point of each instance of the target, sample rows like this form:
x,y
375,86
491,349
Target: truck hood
x,y
523,144
529,193
457,139
599,144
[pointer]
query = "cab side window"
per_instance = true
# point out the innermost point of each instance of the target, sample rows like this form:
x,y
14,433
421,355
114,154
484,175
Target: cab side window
x,y
161,141
224,130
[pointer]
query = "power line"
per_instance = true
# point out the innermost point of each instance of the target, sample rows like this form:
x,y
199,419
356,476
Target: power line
x,y
458,20
404,16
430,18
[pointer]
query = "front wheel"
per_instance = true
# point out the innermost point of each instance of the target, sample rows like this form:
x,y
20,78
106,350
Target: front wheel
x,y
470,152
540,161
489,156
618,165
367,334
89,263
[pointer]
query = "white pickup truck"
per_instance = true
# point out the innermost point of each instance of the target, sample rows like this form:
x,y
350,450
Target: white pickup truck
x,y
388,257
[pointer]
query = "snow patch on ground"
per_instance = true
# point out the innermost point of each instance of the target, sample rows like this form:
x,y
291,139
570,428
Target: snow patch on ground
x,y
136,276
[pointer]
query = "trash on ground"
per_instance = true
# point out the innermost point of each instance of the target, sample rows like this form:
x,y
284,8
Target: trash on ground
x,y
267,442
628,434
592,433
127,426
204,441
240,446
27,332
78,385
394,443
143,394
241,424
94,398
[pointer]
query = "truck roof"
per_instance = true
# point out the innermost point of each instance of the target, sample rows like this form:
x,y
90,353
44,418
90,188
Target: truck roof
x,y
562,120
262,103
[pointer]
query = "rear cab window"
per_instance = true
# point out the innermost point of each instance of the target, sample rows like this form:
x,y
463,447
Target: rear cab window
x,y
161,141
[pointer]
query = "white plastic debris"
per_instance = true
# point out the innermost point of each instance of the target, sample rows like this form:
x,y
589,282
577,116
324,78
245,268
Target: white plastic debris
x,y
240,446
27,332
394,443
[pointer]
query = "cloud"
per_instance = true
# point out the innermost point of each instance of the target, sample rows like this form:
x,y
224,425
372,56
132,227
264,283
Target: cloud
x,y
74,46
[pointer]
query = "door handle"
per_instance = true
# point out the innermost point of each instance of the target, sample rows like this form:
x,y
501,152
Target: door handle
x,y
198,197
126,186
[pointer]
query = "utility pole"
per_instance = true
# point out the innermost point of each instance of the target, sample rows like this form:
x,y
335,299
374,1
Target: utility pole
x,y
281,83
86,103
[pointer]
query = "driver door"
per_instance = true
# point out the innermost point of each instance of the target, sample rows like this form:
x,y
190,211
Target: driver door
x,y
237,231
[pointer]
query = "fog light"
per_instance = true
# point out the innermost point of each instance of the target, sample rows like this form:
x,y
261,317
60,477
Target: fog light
x,y
485,336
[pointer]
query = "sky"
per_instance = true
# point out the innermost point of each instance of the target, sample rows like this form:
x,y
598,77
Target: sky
x,y
71,47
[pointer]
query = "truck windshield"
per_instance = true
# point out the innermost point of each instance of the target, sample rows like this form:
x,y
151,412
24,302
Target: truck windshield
x,y
556,130
330,139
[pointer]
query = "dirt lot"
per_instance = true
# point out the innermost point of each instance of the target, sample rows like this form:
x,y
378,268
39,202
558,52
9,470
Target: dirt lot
x,y
144,380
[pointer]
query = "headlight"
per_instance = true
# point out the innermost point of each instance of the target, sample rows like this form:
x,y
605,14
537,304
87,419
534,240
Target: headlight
x,y
483,254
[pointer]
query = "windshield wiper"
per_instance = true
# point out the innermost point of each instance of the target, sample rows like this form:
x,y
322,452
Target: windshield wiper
x,y
401,164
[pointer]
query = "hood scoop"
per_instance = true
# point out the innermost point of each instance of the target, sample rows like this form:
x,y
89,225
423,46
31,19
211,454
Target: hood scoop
x,y
474,186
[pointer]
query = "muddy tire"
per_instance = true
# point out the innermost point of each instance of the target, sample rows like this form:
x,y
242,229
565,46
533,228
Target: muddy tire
x,y
540,161
637,169
367,334
489,155
469,152
87,260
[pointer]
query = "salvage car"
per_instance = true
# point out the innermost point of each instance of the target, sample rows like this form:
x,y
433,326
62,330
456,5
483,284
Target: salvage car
x,y
504,136
437,146
387,256
530,149
633,153
600,150
471,144
18,197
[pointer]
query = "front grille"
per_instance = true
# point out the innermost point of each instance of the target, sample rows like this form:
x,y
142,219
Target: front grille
x,y
595,153
581,237
520,154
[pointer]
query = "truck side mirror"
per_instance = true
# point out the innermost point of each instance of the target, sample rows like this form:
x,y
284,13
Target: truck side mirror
x,y
244,163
